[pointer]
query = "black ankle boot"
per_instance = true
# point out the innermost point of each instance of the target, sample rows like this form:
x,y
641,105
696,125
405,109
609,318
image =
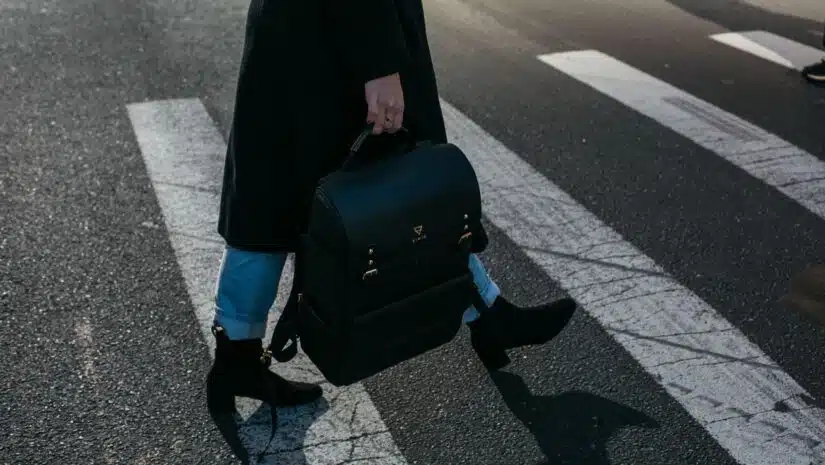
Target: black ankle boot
x,y
241,370
507,326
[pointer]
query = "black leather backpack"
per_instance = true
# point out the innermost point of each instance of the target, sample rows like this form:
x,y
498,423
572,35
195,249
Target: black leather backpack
x,y
382,274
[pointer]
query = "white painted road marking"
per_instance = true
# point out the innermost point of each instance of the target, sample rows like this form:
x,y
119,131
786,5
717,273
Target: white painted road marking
x,y
184,153
791,170
772,47
720,377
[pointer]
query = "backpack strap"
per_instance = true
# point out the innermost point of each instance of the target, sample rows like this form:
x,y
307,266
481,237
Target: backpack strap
x,y
286,329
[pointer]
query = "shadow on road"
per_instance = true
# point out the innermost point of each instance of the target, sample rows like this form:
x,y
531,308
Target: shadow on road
x,y
285,429
739,16
570,428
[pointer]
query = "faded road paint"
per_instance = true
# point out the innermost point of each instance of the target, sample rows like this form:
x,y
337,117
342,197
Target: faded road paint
x,y
781,165
772,47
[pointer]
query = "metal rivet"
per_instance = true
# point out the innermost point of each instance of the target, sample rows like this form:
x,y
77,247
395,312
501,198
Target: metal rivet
x,y
466,216
370,262
371,251
466,227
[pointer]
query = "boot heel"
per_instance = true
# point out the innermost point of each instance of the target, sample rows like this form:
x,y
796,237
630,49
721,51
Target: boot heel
x,y
492,359
219,399
488,348
220,403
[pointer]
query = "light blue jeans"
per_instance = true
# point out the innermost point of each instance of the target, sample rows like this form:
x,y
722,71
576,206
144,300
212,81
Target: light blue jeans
x,y
248,285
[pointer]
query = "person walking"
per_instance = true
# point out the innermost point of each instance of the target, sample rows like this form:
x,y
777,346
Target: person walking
x,y
312,75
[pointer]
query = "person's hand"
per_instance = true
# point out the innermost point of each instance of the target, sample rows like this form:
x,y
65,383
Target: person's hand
x,y
385,103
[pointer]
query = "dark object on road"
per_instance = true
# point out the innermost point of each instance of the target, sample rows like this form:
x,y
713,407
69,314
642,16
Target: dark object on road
x,y
382,275
815,73
807,293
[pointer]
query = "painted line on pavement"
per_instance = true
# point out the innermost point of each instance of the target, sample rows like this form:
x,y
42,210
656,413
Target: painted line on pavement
x,y
735,391
772,47
789,169
184,154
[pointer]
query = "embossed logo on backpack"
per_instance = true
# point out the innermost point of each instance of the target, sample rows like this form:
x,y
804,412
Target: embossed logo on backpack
x,y
419,233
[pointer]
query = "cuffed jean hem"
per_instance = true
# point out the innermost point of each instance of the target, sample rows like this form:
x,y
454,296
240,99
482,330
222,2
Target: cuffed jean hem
x,y
237,330
488,288
246,290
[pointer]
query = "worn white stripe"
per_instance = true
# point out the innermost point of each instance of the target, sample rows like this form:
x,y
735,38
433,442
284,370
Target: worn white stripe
x,y
791,170
184,153
772,47
722,379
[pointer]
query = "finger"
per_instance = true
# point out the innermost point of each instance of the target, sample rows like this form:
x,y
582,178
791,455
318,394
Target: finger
x,y
380,116
374,113
398,119
394,114
389,120
372,106
392,121
390,108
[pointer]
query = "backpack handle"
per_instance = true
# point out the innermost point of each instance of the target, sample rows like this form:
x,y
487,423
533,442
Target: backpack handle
x,y
407,143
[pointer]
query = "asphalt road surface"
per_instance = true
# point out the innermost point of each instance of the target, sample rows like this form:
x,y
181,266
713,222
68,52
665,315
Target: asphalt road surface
x,y
659,160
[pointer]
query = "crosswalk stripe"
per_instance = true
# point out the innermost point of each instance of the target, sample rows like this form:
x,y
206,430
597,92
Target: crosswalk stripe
x,y
772,47
183,152
791,170
744,400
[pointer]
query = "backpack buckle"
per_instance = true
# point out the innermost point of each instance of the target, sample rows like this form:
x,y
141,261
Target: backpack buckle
x,y
266,357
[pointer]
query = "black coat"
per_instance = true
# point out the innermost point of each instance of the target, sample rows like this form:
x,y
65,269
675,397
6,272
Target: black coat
x,y
300,104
